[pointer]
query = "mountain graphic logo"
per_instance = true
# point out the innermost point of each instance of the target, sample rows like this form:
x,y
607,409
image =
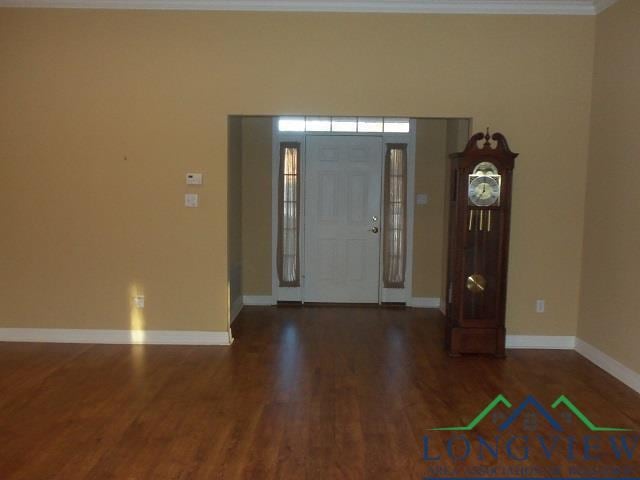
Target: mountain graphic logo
x,y
530,401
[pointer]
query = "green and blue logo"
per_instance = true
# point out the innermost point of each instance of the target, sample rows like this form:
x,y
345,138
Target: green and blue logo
x,y
531,401
530,433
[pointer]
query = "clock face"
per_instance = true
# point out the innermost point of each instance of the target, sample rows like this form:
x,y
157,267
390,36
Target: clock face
x,y
484,190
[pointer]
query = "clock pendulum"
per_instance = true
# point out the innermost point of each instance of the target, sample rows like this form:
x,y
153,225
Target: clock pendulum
x,y
479,219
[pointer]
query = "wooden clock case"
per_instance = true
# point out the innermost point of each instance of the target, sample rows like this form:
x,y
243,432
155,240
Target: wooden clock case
x,y
478,247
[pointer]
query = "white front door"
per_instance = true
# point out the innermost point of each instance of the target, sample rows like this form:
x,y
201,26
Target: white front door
x,y
342,204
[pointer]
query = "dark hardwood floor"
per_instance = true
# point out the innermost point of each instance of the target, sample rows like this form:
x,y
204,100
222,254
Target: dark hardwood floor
x,y
303,393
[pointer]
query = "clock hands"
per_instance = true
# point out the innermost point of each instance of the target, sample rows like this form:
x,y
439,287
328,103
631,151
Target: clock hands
x,y
484,190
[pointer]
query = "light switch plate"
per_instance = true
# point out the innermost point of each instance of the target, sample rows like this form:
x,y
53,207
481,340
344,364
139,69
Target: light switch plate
x,y
194,179
422,199
191,200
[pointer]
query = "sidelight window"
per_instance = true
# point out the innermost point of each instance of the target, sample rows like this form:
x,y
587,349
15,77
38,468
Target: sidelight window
x,y
395,220
288,254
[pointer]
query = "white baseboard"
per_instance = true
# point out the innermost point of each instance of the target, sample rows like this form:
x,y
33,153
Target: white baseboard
x,y
416,302
609,364
547,342
258,300
236,307
424,302
147,337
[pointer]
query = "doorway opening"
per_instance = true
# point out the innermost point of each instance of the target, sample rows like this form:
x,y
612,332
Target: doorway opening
x,y
339,209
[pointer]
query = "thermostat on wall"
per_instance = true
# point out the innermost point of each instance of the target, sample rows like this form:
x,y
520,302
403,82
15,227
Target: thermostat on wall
x,y
194,179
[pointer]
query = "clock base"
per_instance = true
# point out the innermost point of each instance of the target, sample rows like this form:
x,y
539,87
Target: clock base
x,y
489,341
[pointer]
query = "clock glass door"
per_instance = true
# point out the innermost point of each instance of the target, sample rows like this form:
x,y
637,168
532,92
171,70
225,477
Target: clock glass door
x,y
481,266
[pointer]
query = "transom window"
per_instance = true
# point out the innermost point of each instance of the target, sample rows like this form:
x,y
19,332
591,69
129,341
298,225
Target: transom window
x,y
344,124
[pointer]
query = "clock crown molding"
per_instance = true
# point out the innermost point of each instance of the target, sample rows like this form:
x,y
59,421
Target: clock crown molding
x,y
501,145
494,7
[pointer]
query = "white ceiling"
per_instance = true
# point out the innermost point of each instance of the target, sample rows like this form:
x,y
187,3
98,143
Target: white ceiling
x,y
518,7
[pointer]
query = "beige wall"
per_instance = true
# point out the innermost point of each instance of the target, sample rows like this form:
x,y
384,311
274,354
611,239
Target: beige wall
x,y
103,112
610,304
256,200
428,226
234,219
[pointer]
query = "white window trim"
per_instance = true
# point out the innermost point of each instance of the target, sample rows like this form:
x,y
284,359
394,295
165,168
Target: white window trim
x,y
296,294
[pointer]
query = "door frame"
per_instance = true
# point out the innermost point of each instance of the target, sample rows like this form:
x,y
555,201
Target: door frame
x,y
296,294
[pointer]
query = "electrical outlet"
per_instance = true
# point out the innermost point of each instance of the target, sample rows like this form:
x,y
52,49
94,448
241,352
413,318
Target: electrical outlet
x,y
138,301
539,306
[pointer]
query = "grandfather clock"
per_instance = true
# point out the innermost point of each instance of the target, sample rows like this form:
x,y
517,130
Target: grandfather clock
x,y
479,214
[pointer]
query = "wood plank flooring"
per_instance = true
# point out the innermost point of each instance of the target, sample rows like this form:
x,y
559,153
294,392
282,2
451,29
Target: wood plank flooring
x,y
303,393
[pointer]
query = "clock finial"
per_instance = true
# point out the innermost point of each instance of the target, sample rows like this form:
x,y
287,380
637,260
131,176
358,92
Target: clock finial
x,y
487,137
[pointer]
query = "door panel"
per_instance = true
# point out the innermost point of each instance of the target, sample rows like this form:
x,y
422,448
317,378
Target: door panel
x,y
342,185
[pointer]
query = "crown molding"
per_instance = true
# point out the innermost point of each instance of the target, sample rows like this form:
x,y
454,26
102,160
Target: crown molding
x,y
495,7
602,5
